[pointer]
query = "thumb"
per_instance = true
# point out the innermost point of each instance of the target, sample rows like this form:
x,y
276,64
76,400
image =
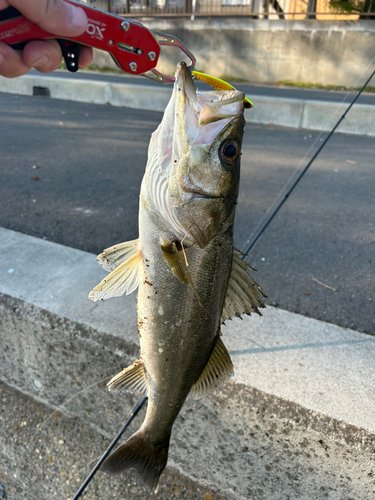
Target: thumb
x,y
56,16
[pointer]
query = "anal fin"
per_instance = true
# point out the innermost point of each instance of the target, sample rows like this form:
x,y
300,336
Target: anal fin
x,y
218,368
124,261
133,378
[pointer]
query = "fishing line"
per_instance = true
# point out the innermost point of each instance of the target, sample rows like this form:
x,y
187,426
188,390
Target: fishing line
x,y
40,429
65,403
250,244
269,209
83,486
30,445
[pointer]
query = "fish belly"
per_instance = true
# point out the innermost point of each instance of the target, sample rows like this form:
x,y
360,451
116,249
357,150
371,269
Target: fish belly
x,y
178,326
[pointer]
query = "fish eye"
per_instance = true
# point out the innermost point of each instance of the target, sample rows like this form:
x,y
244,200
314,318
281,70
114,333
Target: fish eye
x,y
229,151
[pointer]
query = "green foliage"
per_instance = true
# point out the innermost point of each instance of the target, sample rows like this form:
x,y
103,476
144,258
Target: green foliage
x,y
230,78
353,6
93,67
344,6
310,85
367,89
105,69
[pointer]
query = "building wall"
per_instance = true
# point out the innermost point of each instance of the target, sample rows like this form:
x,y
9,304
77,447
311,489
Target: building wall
x,y
266,51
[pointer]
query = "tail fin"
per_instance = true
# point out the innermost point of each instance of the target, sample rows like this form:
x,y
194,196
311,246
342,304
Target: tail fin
x,y
147,458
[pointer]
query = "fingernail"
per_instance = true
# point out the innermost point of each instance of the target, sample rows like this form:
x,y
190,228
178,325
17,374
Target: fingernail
x,y
78,17
39,63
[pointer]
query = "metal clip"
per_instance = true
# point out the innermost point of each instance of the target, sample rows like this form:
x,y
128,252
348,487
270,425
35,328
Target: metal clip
x,y
171,41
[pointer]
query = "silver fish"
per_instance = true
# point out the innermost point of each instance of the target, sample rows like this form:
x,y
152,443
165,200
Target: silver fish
x,y
189,276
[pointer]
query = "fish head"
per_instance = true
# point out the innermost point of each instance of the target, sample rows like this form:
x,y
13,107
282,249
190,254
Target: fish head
x,y
199,143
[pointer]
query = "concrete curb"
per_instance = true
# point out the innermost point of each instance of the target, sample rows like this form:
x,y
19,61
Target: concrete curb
x,y
296,113
318,376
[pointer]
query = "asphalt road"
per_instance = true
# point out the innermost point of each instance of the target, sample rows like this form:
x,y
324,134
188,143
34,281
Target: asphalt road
x,y
249,89
84,190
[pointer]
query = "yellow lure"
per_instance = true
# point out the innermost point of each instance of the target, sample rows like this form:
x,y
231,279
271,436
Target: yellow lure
x,y
218,84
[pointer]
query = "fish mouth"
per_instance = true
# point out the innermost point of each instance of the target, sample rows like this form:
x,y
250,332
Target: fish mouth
x,y
200,116
186,109
195,195
184,83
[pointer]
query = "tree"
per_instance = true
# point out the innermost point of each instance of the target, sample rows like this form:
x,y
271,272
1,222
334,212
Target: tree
x,y
354,7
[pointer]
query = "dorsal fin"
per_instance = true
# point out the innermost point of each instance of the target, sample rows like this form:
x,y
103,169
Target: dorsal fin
x,y
133,378
218,368
243,293
125,261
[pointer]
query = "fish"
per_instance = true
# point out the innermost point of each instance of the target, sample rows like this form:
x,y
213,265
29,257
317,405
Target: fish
x,y
190,278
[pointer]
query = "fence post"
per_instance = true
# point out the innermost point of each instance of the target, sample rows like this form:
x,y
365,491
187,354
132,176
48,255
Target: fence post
x,y
265,9
188,6
311,7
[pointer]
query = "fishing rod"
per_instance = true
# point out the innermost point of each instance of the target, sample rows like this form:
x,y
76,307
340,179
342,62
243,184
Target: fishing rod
x,y
138,407
287,194
85,483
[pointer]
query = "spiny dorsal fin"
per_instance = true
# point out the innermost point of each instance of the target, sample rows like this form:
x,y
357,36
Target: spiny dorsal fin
x,y
133,378
218,368
124,260
175,257
243,293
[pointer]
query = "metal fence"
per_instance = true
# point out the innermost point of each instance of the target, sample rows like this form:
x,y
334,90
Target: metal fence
x,y
256,9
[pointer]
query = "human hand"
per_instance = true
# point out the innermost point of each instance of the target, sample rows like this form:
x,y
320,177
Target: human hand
x,y
55,16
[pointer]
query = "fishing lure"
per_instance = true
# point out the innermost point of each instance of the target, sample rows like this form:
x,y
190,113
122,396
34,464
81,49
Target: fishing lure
x,y
219,84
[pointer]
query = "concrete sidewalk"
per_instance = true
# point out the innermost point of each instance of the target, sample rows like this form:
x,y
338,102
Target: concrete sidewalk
x,y
296,113
251,89
315,374
318,365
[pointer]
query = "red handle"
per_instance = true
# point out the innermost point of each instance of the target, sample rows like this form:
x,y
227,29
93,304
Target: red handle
x,y
131,44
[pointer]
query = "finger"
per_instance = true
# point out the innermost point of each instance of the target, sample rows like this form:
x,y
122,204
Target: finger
x,y
11,62
85,57
45,56
55,16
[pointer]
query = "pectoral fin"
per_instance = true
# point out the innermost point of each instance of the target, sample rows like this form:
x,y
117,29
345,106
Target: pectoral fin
x,y
176,260
124,260
218,368
243,293
133,378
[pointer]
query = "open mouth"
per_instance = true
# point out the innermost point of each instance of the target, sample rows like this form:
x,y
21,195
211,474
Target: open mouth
x,y
196,196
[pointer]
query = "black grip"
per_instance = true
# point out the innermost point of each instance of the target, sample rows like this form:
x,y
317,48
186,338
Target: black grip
x,y
18,46
9,13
